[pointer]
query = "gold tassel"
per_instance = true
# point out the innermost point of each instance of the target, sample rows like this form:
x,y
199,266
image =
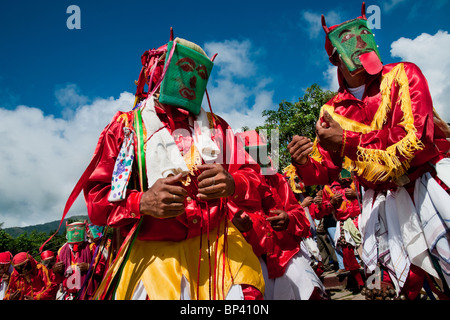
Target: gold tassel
x,y
345,123
315,153
381,165
375,164
123,118
291,173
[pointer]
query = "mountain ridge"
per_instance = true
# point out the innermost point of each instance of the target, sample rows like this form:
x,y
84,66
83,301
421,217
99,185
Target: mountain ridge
x,y
47,227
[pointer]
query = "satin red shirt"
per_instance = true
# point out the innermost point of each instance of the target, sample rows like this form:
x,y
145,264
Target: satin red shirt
x,y
363,111
199,216
343,212
277,247
37,284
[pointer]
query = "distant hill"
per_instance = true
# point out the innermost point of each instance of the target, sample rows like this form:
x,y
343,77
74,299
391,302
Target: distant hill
x,y
45,227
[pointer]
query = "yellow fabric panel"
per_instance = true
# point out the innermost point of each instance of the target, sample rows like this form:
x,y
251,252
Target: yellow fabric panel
x,y
160,265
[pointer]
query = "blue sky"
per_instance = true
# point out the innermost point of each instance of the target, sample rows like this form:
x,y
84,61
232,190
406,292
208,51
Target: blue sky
x,y
60,87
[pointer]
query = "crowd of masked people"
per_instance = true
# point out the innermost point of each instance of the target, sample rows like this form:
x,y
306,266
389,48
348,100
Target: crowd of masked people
x,y
71,273
334,210
331,245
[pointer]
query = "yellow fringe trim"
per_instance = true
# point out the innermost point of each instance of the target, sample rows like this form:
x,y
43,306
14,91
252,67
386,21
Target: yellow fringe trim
x,y
346,124
375,164
315,153
290,172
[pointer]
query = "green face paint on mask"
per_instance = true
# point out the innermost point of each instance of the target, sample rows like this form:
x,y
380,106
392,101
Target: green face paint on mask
x,y
75,232
185,81
351,39
345,174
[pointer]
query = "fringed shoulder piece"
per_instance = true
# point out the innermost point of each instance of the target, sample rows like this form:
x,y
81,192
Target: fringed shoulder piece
x,y
377,164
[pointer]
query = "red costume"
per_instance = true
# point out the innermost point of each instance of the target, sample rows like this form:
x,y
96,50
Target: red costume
x,y
347,209
34,281
199,217
5,272
73,277
319,211
386,137
99,264
389,142
167,133
278,247
48,259
123,214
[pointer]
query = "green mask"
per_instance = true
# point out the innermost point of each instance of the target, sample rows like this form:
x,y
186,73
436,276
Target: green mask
x,y
96,231
75,232
186,77
345,174
352,39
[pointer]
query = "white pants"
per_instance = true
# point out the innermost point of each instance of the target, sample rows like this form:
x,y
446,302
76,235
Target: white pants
x,y
235,292
413,229
297,283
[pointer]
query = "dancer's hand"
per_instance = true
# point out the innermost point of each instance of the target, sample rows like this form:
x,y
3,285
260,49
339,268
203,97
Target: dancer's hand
x,y
280,221
329,133
214,182
299,148
165,199
242,221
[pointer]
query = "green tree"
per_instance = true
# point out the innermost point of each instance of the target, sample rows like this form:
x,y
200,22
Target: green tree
x,y
30,242
54,244
297,118
6,241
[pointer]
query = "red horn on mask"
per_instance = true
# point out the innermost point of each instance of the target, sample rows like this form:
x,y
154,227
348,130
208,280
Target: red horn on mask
x,y
171,34
324,25
363,11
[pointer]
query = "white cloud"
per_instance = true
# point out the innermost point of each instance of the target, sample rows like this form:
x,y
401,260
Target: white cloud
x,y
430,53
311,22
237,93
43,158
391,4
331,79
233,59
70,96
249,116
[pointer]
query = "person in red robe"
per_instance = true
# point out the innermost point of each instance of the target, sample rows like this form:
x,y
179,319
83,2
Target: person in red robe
x,y
30,280
325,245
172,205
76,256
380,127
5,271
275,231
341,197
48,260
